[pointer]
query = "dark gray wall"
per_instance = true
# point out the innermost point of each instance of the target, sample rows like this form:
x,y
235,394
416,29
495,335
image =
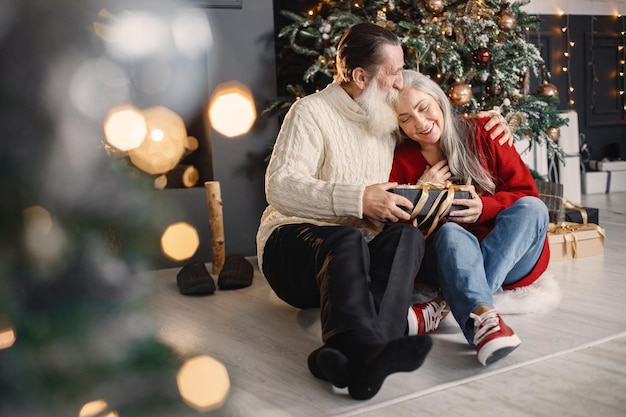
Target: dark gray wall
x,y
243,50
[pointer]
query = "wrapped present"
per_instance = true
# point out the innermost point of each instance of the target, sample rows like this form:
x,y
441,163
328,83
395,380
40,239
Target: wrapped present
x,y
551,193
600,182
582,215
431,201
574,240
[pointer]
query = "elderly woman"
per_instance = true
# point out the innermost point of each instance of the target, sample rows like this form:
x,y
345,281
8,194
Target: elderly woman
x,y
499,240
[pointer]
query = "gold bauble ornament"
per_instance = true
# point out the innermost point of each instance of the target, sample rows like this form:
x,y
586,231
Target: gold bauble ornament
x,y
460,94
547,90
506,21
554,133
434,6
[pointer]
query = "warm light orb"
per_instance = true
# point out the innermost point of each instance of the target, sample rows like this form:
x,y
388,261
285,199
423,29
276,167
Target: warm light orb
x,y
135,35
125,128
203,383
44,240
96,408
7,336
232,111
192,32
180,241
165,143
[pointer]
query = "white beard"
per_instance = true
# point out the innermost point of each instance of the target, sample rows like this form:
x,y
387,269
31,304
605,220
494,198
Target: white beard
x,y
378,105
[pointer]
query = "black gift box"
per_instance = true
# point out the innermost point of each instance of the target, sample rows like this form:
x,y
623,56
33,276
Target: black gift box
x,y
414,194
575,216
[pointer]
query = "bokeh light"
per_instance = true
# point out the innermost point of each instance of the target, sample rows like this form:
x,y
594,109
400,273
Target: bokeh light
x,y
7,335
191,32
96,408
203,383
125,128
134,35
44,240
180,241
231,110
165,145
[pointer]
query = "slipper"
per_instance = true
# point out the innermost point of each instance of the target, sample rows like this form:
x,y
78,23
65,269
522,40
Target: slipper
x,y
194,278
237,272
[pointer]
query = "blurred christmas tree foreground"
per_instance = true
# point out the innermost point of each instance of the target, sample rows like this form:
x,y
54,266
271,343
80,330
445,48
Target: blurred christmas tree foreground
x,y
477,50
75,338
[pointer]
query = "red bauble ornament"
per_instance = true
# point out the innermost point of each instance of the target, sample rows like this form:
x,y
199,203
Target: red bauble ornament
x,y
460,94
493,90
482,55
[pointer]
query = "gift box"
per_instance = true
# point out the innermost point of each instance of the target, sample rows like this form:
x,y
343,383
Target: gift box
x,y
551,193
573,240
581,215
434,197
431,203
600,182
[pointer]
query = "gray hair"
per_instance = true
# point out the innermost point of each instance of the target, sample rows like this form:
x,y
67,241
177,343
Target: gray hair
x,y
360,46
457,137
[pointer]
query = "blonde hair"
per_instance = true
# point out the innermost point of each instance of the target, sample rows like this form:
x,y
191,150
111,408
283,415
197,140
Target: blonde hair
x,y
458,138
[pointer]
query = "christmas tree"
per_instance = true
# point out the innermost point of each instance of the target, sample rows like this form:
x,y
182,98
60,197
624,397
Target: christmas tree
x,y
477,50
76,338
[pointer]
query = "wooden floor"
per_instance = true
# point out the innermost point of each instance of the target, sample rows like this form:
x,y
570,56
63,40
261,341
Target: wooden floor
x,y
572,361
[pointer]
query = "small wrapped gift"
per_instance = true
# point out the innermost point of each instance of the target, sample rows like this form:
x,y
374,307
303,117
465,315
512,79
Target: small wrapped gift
x,y
431,201
582,215
551,193
574,240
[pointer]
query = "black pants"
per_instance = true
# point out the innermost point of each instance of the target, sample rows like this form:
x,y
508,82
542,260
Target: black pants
x,y
361,288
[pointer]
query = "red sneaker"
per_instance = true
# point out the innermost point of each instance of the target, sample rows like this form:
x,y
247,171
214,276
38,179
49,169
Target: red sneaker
x,y
492,337
425,318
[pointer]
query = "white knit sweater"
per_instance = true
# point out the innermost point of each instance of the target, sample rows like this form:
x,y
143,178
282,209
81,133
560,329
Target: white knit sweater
x,y
322,160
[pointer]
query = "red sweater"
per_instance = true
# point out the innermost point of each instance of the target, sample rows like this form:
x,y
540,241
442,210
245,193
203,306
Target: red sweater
x,y
512,177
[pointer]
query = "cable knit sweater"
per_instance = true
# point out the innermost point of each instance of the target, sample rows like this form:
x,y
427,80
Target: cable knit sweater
x,y
323,159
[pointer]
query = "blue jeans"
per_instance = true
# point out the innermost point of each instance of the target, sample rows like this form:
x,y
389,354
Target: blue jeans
x,y
469,272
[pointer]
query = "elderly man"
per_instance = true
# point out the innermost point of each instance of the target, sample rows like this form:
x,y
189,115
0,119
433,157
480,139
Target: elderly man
x,y
332,236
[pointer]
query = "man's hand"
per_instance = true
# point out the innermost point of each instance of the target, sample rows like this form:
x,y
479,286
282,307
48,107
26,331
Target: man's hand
x,y
497,127
379,204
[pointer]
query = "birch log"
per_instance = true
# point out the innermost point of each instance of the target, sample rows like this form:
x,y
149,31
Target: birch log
x,y
216,224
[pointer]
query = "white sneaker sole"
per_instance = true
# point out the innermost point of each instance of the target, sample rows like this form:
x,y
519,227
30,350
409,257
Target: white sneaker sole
x,y
498,349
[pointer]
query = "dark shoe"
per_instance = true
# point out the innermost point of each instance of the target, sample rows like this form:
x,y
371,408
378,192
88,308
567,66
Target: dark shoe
x,y
237,272
194,278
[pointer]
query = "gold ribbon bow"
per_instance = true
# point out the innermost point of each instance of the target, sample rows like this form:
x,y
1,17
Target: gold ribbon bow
x,y
571,206
439,208
567,229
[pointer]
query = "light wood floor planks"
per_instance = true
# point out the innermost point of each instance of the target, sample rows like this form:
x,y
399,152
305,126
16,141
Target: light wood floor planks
x,y
572,361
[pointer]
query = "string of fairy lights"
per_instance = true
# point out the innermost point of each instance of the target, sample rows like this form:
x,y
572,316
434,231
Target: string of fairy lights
x,y
569,44
623,57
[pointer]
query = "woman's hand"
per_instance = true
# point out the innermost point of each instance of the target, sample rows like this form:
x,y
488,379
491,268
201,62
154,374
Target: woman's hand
x,y
439,172
474,207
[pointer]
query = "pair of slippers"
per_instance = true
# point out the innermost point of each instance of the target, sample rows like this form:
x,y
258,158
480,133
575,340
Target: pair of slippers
x,y
194,278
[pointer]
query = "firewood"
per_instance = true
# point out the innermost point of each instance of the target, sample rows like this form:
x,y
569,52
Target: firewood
x,y
216,224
